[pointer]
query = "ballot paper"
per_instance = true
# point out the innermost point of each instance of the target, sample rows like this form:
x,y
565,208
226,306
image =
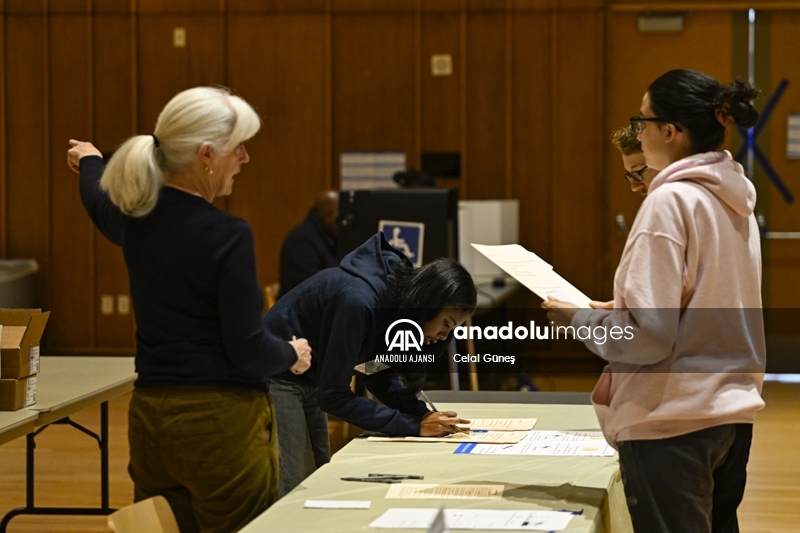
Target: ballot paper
x,y
472,519
556,443
533,272
486,437
433,491
500,424
337,504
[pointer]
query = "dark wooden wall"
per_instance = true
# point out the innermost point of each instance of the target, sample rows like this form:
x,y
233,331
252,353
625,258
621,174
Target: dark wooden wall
x,y
536,87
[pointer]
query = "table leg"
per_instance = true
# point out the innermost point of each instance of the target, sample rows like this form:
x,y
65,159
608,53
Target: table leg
x,y
31,509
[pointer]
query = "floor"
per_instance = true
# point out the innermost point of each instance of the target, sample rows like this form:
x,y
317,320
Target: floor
x,y
68,472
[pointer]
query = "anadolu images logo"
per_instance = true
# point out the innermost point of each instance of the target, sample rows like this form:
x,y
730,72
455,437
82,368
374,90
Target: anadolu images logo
x,y
404,338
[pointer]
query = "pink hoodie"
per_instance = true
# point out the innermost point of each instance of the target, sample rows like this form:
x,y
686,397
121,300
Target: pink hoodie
x,y
689,287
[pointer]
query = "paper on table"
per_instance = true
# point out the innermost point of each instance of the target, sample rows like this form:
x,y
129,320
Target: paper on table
x,y
500,424
432,491
475,519
561,443
489,437
533,272
337,504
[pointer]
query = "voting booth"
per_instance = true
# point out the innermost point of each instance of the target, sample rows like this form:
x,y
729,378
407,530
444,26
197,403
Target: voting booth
x,y
423,223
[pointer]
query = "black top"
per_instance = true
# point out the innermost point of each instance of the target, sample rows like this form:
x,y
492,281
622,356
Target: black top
x,y
306,250
194,290
344,313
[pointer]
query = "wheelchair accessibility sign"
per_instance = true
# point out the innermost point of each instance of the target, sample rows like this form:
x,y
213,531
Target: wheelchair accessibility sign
x,y
408,237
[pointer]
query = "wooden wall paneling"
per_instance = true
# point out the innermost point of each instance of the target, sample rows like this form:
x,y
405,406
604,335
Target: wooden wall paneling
x,y
107,7
64,7
782,257
275,6
373,84
441,103
486,108
30,7
418,75
367,6
634,60
113,88
531,143
442,5
285,80
179,7
3,127
576,124
26,142
71,248
163,70
508,140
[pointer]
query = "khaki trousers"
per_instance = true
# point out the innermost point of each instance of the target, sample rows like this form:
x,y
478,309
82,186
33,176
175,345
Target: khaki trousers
x,y
211,452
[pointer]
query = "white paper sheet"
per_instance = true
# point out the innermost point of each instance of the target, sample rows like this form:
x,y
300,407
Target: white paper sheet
x,y
533,272
488,437
561,443
500,424
337,504
433,491
471,519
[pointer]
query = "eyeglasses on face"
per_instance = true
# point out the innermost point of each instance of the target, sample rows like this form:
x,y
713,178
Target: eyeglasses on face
x,y
636,176
638,123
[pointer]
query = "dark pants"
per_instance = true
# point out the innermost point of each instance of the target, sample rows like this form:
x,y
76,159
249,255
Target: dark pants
x,y
303,431
687,484
212,453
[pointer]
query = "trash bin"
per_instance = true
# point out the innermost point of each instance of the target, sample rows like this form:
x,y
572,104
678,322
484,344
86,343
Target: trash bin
x,y
16,283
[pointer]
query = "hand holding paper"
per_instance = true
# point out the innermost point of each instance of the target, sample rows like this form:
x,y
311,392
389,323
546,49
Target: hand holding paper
x,y
533,272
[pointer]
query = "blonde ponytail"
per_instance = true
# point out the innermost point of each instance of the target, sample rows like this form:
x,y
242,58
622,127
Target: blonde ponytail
x,y
202,115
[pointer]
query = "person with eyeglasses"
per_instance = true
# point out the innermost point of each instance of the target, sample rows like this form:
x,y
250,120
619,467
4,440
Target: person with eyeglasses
x,y
679,399
638,174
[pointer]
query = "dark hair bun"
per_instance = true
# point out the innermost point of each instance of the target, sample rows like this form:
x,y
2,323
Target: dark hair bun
x,y
744,114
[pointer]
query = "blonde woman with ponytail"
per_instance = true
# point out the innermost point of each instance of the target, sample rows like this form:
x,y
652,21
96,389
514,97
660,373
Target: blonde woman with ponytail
x,y
201,423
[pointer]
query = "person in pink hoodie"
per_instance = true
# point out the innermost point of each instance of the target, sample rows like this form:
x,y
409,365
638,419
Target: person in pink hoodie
x,y
679,395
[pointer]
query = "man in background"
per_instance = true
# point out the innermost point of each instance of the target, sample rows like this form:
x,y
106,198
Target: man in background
x,y
311,246
638,174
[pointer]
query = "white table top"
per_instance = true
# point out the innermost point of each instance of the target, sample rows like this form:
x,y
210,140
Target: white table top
x,y
531,482
67,385
14,424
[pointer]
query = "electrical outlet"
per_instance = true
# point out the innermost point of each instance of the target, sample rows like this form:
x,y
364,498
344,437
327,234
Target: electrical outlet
x,y
123,304
179,37
107,304
442,65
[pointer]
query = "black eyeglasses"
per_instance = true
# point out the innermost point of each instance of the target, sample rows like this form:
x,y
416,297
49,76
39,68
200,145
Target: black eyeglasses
x,y
635,175
638,123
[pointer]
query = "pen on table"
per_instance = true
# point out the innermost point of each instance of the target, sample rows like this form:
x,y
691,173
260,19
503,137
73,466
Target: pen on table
x,y
397,476
428,401
372,479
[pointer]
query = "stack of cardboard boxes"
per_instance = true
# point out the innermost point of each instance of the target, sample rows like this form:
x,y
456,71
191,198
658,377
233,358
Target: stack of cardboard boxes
x,y
19,356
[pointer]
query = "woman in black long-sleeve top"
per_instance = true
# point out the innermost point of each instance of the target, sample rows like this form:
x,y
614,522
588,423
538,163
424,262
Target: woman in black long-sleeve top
x,y
201,424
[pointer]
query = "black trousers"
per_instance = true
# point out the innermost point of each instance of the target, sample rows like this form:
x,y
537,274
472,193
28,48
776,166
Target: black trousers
x,y
692,483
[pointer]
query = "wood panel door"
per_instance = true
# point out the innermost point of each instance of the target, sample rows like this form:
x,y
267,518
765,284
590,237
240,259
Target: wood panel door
x,y
633,61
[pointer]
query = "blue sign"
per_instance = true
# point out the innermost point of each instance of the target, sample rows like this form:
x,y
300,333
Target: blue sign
x,y
408,237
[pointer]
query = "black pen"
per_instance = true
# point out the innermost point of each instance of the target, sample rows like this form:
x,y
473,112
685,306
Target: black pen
x,y
397,476
427,400
373,479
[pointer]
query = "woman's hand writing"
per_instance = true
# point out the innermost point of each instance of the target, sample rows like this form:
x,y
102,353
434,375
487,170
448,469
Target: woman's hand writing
x,y
437,424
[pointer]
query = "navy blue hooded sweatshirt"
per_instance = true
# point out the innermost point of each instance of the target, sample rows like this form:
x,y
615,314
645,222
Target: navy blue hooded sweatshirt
x,y
343,312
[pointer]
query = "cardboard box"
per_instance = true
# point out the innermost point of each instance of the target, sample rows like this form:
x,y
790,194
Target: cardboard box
x,y
19,342
17,393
